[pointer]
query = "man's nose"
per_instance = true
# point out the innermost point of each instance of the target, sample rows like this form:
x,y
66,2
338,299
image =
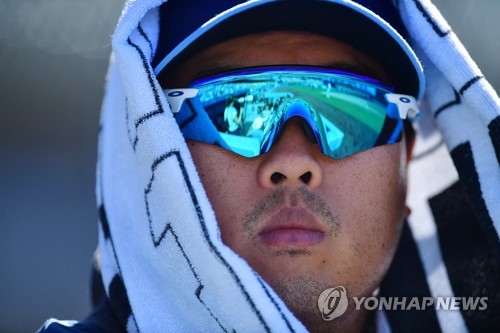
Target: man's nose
x,y
293,160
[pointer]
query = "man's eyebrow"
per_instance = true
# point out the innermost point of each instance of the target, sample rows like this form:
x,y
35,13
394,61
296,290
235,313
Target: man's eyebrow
x,y
212,70
357,68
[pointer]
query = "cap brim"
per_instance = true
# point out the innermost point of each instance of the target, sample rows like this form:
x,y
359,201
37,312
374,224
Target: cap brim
x,y
340,19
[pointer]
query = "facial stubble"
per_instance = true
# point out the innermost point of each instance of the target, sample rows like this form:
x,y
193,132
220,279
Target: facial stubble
x,y
300,293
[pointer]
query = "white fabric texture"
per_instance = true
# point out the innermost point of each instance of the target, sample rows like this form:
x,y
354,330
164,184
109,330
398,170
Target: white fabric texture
x,y
160,245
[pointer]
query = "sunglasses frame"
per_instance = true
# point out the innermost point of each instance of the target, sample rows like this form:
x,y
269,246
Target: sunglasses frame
x,y
407,107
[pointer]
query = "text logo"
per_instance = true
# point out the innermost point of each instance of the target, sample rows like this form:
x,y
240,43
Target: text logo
x,y
332,303
421,303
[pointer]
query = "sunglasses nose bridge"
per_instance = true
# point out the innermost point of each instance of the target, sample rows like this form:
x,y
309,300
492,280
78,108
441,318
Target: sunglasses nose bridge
x,y
296,109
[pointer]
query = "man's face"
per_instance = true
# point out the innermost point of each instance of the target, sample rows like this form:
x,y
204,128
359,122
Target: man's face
x,y
305,222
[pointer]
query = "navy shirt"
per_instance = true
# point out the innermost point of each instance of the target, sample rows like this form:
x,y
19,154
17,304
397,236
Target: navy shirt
x,y
102,320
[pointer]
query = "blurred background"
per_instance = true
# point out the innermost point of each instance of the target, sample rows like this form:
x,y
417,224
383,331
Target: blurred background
x,y
53,60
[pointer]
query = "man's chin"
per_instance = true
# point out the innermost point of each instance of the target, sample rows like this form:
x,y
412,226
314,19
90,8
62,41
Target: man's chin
x,y
301,294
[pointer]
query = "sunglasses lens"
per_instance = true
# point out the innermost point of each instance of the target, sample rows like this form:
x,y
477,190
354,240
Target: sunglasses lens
x,y
345,113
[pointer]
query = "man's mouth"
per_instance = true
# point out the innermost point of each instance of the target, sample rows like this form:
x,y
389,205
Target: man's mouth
x,y
292,227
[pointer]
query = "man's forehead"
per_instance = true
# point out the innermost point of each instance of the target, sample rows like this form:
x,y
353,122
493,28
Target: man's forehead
x,y
275,48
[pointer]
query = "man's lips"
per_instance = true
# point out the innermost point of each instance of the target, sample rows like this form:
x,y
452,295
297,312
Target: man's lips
x,y
290,236
292,228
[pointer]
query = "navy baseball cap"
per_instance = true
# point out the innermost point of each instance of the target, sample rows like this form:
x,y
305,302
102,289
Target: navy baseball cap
x,y
371,26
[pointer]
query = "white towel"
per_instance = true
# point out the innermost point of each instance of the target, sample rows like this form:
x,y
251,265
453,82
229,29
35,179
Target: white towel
x,y
164,266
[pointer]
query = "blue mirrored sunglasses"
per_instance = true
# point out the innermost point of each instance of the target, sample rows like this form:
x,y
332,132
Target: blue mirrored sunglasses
x,y
344,113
